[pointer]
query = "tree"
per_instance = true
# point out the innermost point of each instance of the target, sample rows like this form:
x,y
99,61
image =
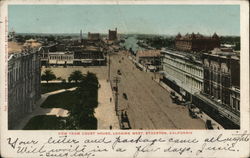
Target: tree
x,y
76,76
48,75
81,115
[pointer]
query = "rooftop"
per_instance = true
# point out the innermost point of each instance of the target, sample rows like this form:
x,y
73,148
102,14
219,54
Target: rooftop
x,y
183,55
195,36
32,43
221,54
148,53
14,47
61,53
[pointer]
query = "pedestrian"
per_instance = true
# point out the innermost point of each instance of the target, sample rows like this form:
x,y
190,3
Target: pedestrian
x,y
110,99
110,127
125,114
122,115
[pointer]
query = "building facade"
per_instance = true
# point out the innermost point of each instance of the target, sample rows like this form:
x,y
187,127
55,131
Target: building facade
x,y
182,73
196,42
112,35
89,56
76,55
61,58
94,36
23,84
149,58
222,83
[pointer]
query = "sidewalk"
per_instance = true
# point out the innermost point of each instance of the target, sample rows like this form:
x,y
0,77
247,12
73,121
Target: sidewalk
x,y
105,112
43,111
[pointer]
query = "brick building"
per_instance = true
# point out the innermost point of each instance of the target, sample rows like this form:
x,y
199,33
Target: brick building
x,y
196,42
112,35
88,56
221,90
94,36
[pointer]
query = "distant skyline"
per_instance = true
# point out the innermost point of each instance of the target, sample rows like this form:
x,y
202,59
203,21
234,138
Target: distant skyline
x,y
143,19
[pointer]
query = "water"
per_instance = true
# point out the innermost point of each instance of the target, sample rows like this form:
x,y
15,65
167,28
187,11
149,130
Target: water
x,y
131,42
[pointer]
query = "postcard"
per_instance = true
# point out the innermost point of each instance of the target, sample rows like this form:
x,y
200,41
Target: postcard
x,y
124,78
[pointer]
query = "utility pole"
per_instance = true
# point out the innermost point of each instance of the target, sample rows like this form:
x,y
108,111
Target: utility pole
x,y
109,66
116,80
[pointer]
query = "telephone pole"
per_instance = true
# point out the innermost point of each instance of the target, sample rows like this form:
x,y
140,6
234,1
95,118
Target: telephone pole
x,y
109,66
116,80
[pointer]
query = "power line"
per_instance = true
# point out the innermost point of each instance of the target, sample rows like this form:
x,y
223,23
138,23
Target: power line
x,y
116,80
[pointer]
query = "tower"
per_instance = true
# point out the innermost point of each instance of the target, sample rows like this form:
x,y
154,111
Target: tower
x,y
81,36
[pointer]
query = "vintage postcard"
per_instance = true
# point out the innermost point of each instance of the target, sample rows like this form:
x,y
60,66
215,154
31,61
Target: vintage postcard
x,y
124,78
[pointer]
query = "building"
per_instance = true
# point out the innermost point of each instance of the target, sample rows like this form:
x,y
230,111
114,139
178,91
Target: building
x,y
221,89
31,43
151,59
182,72
94,36
196,42
227,47
112,35
81,38
89,56
61,58
44,53
23,84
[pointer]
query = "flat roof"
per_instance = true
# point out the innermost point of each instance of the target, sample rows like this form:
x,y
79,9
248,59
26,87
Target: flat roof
x,y
14,47
148,53
60,53
183,55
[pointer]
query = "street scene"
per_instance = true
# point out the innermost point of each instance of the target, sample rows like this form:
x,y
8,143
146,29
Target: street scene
x,y
119,74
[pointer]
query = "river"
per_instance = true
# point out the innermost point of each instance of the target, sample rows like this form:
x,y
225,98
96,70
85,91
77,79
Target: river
x,y
131,42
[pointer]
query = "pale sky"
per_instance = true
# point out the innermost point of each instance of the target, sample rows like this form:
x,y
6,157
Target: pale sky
x,y
148,19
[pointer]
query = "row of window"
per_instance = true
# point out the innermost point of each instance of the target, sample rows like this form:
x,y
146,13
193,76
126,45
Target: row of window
x,y
22,68
184,78
216,67
235,103
194,83
61,57
185,67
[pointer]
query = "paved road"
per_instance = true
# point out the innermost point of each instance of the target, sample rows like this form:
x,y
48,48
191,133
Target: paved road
x,y
149,106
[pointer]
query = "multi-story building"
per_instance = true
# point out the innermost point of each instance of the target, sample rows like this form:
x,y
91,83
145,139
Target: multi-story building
x,y
196,42
94,36
182,72
23,84
77,55
61,58
222,84
149,58
112,35
88,56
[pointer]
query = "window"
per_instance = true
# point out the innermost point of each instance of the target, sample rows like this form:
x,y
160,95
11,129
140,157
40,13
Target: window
x,y
234,103
238,105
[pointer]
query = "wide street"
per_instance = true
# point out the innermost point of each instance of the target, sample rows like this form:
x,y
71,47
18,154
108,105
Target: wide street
x,y
148,105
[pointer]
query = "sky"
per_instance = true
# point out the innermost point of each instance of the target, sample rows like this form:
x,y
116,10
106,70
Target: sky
x,y
145,19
